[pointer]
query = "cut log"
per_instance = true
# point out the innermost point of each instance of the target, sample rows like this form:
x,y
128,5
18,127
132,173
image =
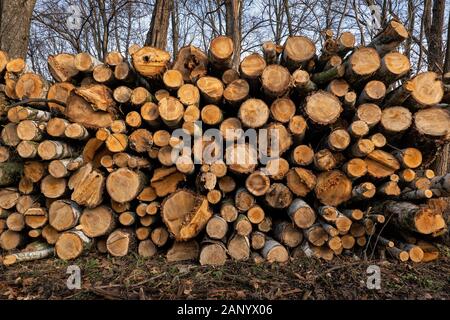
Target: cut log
x,y
316,235
278,196
124,185
275,80
390,37
97,222
432,122
150,62
238,247
10,240
297,53
301,214
191,62
84,62
30,130
394,66
182,251
80,111
333,188
242,225
323,108
257,183
236,92
300,181
166,180
185,214
381,164
361,65
287,234
213,253
88,186
120,242
64,215
228,211
52,187
211,89
217,227
99,96
62,67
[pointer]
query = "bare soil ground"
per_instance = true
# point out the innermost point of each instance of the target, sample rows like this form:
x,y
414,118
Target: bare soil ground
x,y
134,277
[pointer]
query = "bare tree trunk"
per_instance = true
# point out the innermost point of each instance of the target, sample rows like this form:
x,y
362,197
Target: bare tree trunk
x,y
288,17
234,30
447,52
175,35
159,25
15,19
434,23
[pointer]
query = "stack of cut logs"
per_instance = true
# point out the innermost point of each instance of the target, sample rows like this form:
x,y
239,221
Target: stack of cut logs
x,y
86,160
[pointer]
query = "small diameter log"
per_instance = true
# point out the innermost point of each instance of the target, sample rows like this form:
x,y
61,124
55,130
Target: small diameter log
x,y
362,148
275,80
297,127
416,194
328,213
19,113
241,158
301,214
257,240
189,95
139,96
228,211
395,119
358,129
420,219
338,139
229,76
276,169
61,168
355,168
211,115
378,140
302,155
173,79
64,214
362,64
239,247
182,251
328,75
211,89
257,183
214,196
36,252
333,188
265,225
217,227
409,157
416,253
282,110
15,222
394,66
316,235
302,83
127,218
57,126
348,241
122,94
243,200
287,234
256,214
150,114
325,160
76,131
71,244
171,111
185,214
323,108
364,191
236,92
373,92
120,242
399,254
220,52
213,253
369,113
298,51
150,62
338,87
62,67
273,251
252,67
117,142
242,225
159,236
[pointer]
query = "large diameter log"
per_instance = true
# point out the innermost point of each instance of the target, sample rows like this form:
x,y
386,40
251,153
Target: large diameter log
x,y
171,111
282,110
236,92
64,214
52,187
394,66
10,240
31,85
124,185
217,227
88,185
361,65
426,90
253,113
420,219
395,119
150,62
278,196
287,234
79,110
8,197
298,51
185,214
99,96
191,62
98,221
84,62
62,67
276,81
120,242
389,38
333,188
323,108
432,122
220,52
301,214
211,89
71,244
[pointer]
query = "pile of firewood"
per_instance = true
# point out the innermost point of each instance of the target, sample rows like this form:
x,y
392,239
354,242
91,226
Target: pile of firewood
x,y
87,161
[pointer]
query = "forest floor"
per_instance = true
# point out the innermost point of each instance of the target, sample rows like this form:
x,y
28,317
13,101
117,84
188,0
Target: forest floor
x,y
133,277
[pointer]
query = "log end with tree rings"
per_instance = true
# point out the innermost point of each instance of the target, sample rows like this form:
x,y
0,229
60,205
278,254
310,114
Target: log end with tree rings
x,y
323,108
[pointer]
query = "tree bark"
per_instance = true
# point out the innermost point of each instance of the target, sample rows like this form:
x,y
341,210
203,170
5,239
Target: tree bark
x,y
233,28
15,20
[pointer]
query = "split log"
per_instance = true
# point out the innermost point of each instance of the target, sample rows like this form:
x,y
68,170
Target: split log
x,y
88,185
120,242
62,67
